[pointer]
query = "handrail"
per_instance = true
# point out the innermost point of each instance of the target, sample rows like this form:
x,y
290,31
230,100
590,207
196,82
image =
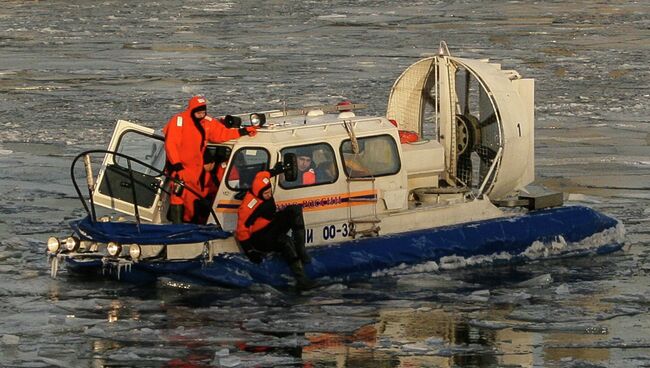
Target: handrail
x,y
135,199
91,214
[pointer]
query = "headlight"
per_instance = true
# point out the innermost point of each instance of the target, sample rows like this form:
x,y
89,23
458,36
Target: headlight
x,y
53,244
72,243
114,249
135,251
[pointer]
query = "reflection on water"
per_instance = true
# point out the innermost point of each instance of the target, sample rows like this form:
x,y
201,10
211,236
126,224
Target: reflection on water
x,y
114,311
460,322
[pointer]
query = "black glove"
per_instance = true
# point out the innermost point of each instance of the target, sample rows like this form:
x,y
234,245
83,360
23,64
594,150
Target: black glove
x,y
277,169
175,167
249,130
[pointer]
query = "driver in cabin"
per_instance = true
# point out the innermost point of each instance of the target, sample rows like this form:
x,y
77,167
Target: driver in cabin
x,y
186,138
262,229
305,165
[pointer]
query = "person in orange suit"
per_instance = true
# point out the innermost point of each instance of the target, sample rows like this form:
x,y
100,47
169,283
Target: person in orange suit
x,y
209,182
262,229
186,138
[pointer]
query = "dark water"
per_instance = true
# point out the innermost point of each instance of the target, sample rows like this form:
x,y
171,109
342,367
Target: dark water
x,y
70,69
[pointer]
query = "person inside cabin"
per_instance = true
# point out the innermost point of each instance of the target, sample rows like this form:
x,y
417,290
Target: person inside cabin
x,y
208,185
354,161
305,166
233,176
186,137
326,171
215,160
262,229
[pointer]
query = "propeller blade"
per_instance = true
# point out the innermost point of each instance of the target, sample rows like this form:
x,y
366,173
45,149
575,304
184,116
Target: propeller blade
x,y
485,153
490,119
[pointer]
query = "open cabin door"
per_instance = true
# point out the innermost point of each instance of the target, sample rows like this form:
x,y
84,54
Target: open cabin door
x,y
122,182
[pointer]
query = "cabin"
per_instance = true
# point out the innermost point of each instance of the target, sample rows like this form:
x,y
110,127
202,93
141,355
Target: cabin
x,y
365,183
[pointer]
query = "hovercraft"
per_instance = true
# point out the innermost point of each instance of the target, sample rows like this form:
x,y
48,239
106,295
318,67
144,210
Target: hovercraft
x,y
444,176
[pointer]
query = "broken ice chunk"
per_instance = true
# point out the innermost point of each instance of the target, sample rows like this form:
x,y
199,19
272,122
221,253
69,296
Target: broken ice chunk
x,y
229,361
562,289
10,339
541,280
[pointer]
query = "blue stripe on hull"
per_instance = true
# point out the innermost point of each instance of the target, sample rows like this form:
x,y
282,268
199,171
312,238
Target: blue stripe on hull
x,y
358,258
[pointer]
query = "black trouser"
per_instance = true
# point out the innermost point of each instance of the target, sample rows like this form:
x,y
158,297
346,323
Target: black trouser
x,y
274,238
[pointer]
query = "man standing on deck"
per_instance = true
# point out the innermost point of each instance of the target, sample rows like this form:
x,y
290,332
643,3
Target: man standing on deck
x,y
186,137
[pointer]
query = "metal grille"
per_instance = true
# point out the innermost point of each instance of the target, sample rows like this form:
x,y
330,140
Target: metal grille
x,y
406,101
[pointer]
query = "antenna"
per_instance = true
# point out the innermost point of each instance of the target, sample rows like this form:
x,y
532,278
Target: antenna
x,y
284,109
443,50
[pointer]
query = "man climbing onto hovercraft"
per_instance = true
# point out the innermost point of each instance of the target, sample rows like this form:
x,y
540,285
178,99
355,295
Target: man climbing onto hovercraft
x,y
262,229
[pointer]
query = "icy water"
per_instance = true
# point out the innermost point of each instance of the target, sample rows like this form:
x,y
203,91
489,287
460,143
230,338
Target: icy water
x,y
70,69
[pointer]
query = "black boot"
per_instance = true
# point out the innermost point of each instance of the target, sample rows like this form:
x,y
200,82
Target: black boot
x,y
303,282
298,236
175,214
298,233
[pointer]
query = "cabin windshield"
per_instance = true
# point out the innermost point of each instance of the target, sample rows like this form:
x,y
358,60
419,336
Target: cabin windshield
x,y
376,156
246,162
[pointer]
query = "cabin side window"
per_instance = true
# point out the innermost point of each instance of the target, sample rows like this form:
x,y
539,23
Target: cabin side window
x,y
316,165
375,156
246,162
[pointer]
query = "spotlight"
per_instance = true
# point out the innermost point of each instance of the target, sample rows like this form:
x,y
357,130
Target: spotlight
x,y
114,249
135,251
53,245
72,243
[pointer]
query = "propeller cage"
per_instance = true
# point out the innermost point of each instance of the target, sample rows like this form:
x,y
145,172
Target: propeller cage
x,y
478,112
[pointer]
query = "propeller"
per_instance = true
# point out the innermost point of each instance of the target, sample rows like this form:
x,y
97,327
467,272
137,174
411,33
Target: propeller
x,y
471,131
470,134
